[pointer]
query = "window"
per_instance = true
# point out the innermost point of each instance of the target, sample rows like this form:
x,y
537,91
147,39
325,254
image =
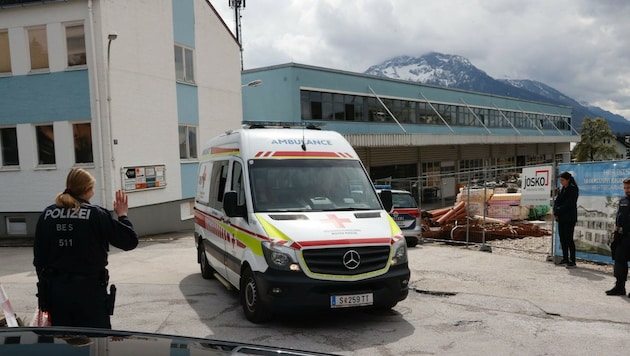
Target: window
x,y
5,55
38,48
8,142
45,144
238,185
184,65
218,179
75,45
16,225
187,142
82,134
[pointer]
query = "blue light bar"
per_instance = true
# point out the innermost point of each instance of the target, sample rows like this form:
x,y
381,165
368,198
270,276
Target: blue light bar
x,y
284,124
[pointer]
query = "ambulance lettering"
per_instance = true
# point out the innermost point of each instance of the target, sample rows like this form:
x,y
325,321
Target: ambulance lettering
x,y
299,142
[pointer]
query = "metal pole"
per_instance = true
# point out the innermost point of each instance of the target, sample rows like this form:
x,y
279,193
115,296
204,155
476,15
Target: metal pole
x,y
552,253
484,247
468,212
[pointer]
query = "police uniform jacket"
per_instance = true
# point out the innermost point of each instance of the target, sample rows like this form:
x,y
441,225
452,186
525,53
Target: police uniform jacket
x,y
77,241
623,216
565,205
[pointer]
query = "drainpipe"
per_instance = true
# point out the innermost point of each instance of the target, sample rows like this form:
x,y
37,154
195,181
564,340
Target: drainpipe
x,y
98,119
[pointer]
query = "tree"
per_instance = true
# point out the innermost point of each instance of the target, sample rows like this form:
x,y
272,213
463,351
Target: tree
x,y
597,141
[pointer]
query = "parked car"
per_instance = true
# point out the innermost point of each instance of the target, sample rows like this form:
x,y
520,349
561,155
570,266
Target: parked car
x,y
46,341
406,213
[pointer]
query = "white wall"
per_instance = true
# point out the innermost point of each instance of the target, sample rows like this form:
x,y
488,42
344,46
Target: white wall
x,y
143,93
220,106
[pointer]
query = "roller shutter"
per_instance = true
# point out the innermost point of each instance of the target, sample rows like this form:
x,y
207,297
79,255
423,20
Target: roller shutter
x,y
475,151
438,153
393,155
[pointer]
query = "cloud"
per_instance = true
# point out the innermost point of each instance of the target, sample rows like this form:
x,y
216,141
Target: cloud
x,y
579,47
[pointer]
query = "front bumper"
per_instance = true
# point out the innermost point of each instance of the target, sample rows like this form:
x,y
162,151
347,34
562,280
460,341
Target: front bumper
x,y
286,291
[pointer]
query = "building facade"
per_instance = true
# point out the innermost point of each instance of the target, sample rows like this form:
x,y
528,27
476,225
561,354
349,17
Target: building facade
x,y
433,138
125,89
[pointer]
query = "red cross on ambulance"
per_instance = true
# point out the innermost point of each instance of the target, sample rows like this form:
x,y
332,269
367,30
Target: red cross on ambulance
x,y
339,222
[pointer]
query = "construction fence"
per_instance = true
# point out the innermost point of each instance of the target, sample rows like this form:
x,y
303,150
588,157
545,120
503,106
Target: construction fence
x,y
486,207
480,207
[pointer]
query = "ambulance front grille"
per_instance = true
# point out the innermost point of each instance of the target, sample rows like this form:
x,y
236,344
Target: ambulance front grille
x,y
331,260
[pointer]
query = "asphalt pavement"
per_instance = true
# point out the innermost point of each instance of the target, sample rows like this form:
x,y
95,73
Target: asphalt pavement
x,y
463,302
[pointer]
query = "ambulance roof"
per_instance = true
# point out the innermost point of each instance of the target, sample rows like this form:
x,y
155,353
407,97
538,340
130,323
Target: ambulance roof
x,y
278,141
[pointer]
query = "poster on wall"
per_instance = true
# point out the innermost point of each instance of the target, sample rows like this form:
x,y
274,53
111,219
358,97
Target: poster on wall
x,y
601,187
143,178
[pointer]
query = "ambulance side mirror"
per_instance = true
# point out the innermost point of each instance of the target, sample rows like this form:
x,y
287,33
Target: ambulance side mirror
x,y
230,205
386,199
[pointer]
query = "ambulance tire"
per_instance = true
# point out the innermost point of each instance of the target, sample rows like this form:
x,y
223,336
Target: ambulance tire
x,y
253,307
207,272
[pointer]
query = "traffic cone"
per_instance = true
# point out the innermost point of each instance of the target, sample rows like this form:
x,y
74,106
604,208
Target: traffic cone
x,y
9,315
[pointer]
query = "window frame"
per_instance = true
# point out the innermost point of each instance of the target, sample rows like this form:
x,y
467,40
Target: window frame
x,y
7,52
3,163
67,49
187,63
39,148
192,153
29,49
13,221
75,125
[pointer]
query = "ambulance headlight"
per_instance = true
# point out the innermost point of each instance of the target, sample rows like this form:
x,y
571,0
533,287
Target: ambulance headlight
x,y
400,252
280,257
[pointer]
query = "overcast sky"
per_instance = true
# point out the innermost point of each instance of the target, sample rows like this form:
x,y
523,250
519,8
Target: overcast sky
x,y
579,47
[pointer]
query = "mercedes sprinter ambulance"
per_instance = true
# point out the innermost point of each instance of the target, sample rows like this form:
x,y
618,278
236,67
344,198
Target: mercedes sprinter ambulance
x,y
289,217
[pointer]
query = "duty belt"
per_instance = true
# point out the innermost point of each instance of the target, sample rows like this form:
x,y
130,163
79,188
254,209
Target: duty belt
x,y
77,276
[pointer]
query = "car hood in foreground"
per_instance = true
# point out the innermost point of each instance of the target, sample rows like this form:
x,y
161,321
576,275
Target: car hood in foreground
x,y
87,341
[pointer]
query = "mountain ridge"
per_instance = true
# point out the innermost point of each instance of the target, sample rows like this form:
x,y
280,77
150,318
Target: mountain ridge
x,y
456,71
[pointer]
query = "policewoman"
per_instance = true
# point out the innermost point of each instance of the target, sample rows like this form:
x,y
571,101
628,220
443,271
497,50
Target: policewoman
x,y
72,240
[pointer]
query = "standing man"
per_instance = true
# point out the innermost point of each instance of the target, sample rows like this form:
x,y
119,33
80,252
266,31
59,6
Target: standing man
x,y
621,239
72,241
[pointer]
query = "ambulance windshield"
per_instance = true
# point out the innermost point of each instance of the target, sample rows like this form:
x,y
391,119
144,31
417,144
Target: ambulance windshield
x,y
310,185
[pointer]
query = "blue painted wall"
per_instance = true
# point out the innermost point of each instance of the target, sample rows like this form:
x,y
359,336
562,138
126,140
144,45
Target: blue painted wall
x,y
187,104
189,179
37,98
187,95
184,22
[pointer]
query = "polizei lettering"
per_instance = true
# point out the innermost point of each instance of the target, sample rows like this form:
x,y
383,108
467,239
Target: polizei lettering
x,y
291,141
63,213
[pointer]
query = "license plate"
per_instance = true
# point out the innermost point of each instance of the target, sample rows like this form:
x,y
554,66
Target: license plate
x,y
354,300
401,223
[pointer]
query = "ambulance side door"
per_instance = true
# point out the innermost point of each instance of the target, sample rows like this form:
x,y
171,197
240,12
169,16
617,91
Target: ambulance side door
x,y
217,234
235,246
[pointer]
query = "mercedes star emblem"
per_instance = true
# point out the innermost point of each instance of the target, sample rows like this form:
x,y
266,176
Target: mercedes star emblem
x,y
351,259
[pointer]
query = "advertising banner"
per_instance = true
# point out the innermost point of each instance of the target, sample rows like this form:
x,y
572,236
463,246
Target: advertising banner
x,y
601,187
536,183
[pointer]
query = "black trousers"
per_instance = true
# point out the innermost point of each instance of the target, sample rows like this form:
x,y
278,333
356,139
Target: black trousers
x,y
622,255
78,301
565,231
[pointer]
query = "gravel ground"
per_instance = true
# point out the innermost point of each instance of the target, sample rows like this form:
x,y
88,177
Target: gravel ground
x,y
535,248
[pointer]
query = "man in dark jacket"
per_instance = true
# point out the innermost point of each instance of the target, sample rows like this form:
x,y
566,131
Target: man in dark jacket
x,y
621,236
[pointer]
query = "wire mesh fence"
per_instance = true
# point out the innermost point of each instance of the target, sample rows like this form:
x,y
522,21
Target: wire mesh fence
x,y
482,207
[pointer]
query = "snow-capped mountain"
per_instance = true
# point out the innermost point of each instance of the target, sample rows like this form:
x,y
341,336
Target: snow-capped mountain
x,y
457,72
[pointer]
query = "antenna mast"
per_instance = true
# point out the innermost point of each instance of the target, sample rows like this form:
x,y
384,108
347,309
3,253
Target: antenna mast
x,y
237,5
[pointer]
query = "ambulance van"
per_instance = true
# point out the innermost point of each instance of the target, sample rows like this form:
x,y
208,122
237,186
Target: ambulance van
x,y
289,217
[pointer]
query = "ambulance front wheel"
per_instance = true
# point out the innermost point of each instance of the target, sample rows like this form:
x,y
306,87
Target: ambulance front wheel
x,y
255,309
